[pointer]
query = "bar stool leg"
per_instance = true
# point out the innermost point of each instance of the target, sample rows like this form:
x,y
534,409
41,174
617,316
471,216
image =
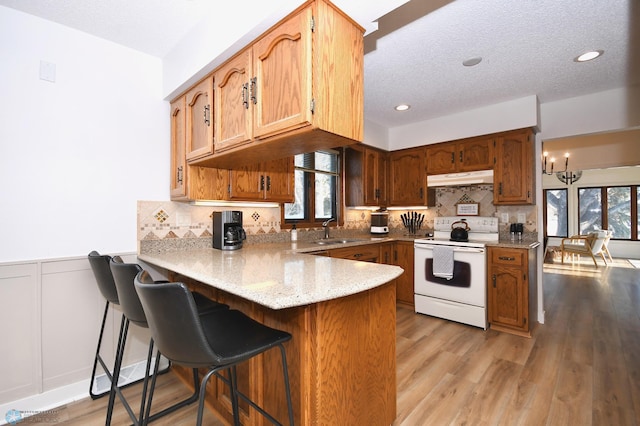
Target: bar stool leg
x,y
124,328
98,358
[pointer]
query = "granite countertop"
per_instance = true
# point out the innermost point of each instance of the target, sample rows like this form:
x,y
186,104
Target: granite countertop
x,y
276,275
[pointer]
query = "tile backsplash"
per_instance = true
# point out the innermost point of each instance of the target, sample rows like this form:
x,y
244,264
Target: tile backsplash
x,y
181,222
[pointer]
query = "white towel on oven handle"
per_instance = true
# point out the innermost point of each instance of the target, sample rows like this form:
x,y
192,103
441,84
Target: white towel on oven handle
x,y
443,262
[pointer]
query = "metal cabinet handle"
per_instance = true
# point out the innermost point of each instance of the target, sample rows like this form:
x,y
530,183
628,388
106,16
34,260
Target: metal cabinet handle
x,y
509,258
179,175
461,157
268,183
261,182
493,278
254,90
245,95
453,157
207,115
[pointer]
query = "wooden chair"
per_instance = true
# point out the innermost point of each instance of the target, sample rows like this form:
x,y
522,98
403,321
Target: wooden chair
x,y
591,244
605,247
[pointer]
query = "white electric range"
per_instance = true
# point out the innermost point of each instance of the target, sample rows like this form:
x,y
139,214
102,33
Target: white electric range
x,y
459,293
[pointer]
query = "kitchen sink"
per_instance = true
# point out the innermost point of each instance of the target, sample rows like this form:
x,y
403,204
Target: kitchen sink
x,y
338,241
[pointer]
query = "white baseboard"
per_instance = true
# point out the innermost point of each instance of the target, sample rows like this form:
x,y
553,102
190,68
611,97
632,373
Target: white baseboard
x,y
58,397
46,401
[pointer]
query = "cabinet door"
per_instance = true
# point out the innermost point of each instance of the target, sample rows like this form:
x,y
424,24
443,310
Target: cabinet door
x,y
178,160
506,297
476,154
245,183
407,178
281,90
200,120
364,253
232,103
403,257
370,177
513,172
279,180
441,158
508,288
386,253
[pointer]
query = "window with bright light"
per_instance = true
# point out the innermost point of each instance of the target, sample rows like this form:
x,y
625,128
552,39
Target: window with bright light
x,y
316,189
556,212
614,208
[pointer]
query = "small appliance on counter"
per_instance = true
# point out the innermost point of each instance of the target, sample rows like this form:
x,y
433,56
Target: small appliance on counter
x,y
380,222
228,233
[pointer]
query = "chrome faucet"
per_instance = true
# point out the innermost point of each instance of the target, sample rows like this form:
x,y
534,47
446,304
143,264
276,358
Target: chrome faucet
x,y
325,225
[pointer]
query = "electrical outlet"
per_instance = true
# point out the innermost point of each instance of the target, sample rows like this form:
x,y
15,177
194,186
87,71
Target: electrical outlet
x,y
504,217
522,218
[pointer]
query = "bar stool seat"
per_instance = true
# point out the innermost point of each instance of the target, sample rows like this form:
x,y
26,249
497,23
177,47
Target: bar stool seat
x,y
218,340
123,276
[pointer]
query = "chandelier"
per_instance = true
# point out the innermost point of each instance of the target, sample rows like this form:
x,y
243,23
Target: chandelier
x,y
564,176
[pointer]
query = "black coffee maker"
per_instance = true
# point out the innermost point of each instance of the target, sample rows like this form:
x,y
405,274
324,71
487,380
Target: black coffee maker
x,y
228,233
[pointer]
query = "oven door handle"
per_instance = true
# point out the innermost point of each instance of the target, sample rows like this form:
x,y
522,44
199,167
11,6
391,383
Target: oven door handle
x,y
455,250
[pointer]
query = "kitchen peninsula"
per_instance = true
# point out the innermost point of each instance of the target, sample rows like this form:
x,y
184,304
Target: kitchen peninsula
x,y
341,314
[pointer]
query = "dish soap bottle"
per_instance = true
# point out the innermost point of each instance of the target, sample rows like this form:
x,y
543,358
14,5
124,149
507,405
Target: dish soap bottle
x,y
294,233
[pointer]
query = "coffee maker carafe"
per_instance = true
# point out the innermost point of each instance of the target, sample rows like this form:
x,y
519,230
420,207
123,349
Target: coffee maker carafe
x,y
228,233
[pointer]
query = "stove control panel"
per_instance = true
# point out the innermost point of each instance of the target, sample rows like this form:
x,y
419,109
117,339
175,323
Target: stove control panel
x,y
484,224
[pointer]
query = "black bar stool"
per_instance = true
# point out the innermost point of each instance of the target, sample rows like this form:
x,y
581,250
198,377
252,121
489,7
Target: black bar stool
x,y
102,272
218,340
123,275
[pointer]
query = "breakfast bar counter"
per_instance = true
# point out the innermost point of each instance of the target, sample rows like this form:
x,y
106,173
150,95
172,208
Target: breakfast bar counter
x,y
341,313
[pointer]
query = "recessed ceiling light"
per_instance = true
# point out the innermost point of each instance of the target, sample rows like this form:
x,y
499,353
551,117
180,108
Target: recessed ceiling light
x,y
589,56
472,61
402,107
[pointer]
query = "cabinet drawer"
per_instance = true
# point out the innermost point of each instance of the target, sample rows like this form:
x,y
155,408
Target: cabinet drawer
x,y
366,253
503,256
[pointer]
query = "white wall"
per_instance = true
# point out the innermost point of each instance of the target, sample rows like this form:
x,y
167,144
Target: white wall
x,y
598,112
76,155
514,114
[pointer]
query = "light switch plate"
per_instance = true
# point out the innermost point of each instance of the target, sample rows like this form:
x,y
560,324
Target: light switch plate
x,y
47,71
504,217
522,217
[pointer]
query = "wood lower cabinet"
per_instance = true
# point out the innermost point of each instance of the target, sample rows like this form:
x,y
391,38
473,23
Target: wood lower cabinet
x,y
403,257
363,253
366,175
338,374
513,171
511,294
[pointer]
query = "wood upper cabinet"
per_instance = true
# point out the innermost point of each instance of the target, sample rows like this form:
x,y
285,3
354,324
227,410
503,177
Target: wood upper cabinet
x,y
475,154
408,178
281,89
366,174
513,170
178,157
441,158
190,182
403,256
508,289
297,88
233,125
268,181
461,156
199,133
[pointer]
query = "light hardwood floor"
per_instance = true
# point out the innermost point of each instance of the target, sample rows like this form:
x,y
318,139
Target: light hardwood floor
x,y
582,367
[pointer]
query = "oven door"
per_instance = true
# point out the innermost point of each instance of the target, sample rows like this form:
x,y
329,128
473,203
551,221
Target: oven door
x,y
468,284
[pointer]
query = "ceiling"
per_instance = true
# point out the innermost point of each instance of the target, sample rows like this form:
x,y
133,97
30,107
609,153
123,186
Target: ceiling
x,y
415,57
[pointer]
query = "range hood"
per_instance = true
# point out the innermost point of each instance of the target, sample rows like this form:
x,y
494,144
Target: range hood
x,y
464,178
